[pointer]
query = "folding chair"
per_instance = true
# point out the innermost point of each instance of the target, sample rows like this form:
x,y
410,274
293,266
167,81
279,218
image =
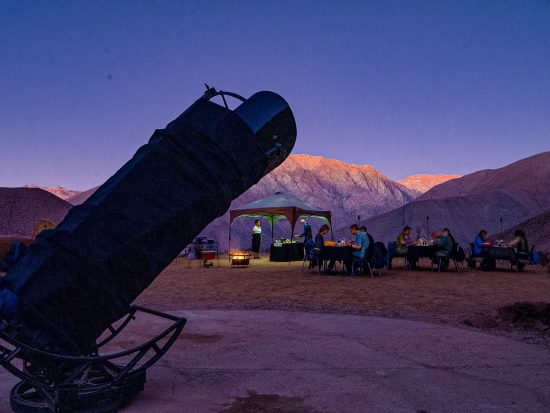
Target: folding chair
x,y
525,261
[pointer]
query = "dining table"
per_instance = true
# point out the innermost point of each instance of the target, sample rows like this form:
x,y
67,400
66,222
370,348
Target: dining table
x,y
417,251
282,252
343,253
502,253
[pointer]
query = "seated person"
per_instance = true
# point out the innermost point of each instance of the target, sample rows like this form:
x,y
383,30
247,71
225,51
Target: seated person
x,y
360,246
444,246
451,237
520,243
479,249
403,240
318,246
521,246
320,237
444,243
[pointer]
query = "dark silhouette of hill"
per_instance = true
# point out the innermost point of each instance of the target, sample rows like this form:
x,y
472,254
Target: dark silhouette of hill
x,y
22,208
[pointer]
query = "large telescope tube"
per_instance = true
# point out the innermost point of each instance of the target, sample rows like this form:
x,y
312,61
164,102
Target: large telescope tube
x,y
82,276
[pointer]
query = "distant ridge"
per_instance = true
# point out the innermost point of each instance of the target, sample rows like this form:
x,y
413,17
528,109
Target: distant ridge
x,y
58,191
425,182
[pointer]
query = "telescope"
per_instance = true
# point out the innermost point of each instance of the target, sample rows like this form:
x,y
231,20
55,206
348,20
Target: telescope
x,y
73,292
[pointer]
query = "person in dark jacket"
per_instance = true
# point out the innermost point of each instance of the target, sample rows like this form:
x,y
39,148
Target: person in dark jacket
x,y
307,234
319,245
521,246
320,237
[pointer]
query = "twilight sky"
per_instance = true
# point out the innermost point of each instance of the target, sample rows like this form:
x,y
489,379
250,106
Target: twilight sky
x,y
408,87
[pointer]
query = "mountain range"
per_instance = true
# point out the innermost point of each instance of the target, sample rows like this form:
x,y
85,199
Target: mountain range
x,y
515,193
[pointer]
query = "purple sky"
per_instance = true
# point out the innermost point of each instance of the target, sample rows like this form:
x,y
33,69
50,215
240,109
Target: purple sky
x,y
408,87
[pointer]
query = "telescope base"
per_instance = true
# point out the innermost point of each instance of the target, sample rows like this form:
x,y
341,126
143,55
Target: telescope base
x,y
56,383
25,398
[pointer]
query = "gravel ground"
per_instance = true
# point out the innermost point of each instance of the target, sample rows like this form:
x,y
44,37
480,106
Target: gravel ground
x,y
446,298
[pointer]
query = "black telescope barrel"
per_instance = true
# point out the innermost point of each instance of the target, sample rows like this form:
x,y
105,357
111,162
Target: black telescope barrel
x,y
82,276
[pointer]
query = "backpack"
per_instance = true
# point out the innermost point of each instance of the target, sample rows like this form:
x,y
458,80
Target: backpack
x,y
535,257
16,252
460,256
379,256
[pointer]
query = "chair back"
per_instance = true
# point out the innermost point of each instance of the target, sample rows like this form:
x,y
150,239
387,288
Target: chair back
x,y
309,246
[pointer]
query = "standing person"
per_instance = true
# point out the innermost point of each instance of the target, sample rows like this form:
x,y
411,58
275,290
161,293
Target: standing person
x,y
256,238
307,234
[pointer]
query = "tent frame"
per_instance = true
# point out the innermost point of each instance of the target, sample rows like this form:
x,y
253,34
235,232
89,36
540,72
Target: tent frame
x,y
275,214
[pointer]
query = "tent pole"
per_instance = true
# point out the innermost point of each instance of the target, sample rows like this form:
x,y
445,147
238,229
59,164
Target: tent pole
x,y
272,223
292,224
229,246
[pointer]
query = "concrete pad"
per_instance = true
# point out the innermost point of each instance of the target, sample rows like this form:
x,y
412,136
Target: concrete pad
x,y
230,361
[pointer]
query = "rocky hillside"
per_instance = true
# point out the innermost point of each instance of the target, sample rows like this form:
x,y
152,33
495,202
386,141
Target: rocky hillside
x,y
425,182
465,216
525,180
514,193
22,208
537,230
346,190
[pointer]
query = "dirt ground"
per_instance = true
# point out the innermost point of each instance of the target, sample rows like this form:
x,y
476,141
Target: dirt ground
x,y
447,298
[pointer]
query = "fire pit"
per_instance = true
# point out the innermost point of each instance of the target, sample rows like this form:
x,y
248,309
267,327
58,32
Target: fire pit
x,y
240,259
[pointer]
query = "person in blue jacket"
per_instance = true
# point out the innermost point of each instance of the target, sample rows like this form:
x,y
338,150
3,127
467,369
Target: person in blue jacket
x,y
307,234
479,250
360,246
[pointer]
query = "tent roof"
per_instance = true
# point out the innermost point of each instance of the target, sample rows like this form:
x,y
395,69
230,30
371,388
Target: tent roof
x,y
279,206
278,200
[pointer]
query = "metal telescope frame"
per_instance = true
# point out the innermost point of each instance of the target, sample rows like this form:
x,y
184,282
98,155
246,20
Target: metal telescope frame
x,y
95,383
